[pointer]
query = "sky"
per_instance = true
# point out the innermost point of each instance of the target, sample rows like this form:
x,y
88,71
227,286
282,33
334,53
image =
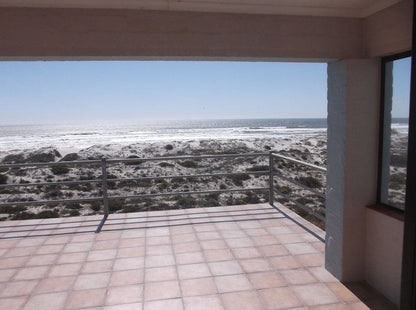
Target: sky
x,y
80,91
401,87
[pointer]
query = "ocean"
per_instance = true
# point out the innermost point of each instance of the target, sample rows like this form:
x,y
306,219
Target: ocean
x,y
79,136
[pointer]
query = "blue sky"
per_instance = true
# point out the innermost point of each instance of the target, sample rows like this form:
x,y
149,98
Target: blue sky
x,y
401,87
85,91
53,92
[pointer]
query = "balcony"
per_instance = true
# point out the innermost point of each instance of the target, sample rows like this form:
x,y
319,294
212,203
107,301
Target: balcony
x,y
258,256
233,257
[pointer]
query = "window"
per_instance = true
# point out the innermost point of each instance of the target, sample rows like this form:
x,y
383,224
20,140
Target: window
x,y
394,130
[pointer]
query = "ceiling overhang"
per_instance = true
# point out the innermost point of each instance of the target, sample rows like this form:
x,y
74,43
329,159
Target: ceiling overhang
x,y
334,8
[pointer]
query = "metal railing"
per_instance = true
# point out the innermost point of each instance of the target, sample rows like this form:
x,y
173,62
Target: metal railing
x,y
274,190
104,181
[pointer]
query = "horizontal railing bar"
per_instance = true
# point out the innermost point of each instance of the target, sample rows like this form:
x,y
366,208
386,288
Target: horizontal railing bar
x,y
59,163
118,160
189,193
299,162
41,202
49,183
307,209
300,184
191,176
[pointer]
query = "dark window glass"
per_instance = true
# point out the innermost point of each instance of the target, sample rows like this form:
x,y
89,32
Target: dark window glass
x,y
395,132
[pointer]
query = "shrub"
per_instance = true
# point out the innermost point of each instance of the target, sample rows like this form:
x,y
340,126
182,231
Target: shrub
x,y
310,181
14,159
47,214
135,162
41,158
70,157
164,164
144,183
59,170
73,206
285,189
223,186
258,168
189,164
3,179
95,206
185,202
74,213
115,205
131,208
23,216
238,179
12,209
168,147
178,180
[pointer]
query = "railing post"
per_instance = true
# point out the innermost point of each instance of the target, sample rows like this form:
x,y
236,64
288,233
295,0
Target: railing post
x,y
104,188
271,176
105,194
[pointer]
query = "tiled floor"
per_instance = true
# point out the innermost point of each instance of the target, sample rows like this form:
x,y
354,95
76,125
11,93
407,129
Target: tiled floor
x,y
239,257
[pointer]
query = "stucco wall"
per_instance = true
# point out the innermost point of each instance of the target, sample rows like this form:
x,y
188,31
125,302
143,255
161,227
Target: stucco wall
x,y
138,33
384,245
389,31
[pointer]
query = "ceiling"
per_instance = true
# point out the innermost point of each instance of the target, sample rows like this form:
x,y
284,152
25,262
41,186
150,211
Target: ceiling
x,y
339,8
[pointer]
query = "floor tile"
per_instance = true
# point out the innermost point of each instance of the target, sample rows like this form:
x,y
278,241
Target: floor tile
x,y
57,284
218,255
189,258
168,304
30,273
41,260
124,294
12,303
232,283
86,298
160,274
90,281
242,300
255,265
243,253
284,262
18,288
198,287
193,271
298,276
225,268
203,303
127,277
97,266
128,263
65,270
279,298
161,290
315,294
159,260
52,301
269,279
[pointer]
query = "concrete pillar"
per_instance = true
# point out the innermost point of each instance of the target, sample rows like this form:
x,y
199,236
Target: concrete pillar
x,y
353,116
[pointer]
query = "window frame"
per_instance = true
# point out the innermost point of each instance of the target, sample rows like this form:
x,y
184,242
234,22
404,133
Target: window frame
x,y
384,61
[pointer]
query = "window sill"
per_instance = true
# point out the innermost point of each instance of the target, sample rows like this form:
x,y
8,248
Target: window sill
x,y
389,211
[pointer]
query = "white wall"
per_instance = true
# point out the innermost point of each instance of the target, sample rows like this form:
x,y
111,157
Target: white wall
x,y
383,259
353,117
